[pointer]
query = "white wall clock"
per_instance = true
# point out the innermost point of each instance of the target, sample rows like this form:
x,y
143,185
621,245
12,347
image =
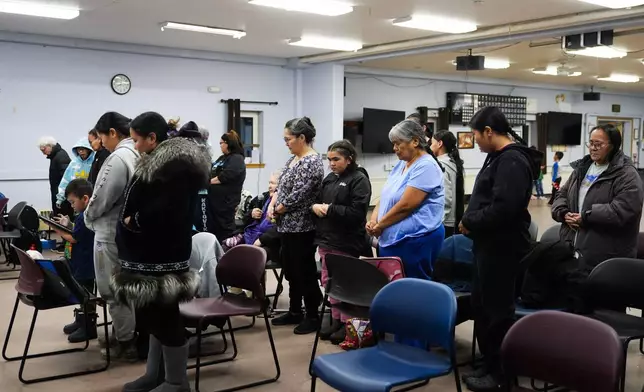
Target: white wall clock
x,y
121,84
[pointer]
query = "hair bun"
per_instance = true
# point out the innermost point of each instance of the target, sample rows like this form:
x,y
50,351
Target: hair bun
x,y
172,124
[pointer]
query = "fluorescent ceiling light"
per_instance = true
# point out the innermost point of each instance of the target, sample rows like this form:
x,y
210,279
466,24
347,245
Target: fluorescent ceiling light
x,y
203,29
605,52
620,78
327,43
553,71
615,4
320,7
436,23
492,63
41,10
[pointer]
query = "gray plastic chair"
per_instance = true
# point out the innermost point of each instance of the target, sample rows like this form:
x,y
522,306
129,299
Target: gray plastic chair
x,y
534,231
551,234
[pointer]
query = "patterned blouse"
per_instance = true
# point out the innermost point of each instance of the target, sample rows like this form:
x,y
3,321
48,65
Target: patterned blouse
x,y
297,191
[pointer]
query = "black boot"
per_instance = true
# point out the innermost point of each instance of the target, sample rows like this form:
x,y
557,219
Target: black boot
x,y
87,328
154,370
70,328
338,336
325,333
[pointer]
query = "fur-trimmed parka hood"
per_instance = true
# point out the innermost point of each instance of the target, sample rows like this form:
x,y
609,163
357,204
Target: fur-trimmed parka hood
x,y
178,154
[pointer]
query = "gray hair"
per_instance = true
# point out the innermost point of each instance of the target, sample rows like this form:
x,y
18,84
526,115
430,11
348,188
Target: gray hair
x,y
277,174
47,141
408,130
205,135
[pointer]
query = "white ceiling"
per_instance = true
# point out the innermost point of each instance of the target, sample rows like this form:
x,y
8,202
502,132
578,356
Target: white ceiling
x,y
523,58
137,21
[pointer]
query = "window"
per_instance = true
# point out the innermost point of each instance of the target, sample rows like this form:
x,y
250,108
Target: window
x,y
249,134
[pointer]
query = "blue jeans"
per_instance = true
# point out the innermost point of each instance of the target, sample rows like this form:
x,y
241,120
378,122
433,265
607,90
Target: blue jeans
x,y
538,185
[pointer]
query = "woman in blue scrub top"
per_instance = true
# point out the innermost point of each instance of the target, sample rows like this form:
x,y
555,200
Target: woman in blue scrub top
x,y
409,216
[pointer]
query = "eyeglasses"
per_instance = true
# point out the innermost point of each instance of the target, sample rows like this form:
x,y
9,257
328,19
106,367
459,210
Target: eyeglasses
x,y
595,146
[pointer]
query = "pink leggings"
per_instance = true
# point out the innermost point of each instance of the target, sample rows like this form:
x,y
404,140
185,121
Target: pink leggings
x,y
335,313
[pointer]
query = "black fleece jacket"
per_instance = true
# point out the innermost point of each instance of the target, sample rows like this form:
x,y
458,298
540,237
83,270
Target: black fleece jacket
x,y
99,158
58,162
224,197
343,228
497,216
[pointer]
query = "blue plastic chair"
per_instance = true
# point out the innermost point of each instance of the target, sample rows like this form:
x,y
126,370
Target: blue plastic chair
x,y
410,308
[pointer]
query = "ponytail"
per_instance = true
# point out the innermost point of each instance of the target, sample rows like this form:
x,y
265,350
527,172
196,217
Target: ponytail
x,y
516,136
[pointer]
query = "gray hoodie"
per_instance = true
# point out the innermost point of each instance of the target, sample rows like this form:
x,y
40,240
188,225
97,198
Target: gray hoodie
x,y
102,213
449,178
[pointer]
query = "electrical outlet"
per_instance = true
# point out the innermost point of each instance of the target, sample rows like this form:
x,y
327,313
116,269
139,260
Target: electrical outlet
x,y
388,167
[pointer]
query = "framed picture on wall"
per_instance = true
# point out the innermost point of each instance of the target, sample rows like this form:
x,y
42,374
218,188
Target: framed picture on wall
x,y
465,140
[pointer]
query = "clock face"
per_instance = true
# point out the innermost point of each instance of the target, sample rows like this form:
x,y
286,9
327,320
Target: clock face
x,y
121,84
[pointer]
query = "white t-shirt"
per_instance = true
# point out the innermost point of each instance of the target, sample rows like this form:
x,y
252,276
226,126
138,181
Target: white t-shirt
x,y
594,171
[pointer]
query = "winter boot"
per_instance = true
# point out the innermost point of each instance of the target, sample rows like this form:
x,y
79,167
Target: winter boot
x,y
154,371
175,360
86,328
70,328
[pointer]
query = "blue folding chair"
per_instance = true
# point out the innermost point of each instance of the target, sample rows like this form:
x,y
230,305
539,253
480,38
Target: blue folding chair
x,y
409,308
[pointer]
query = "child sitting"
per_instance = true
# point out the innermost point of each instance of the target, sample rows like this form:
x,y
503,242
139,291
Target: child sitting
x,y
81,260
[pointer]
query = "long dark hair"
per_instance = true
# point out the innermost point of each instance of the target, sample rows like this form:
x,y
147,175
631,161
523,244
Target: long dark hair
x,y
493,117
115,121
614,136
347,150
451,146
235,146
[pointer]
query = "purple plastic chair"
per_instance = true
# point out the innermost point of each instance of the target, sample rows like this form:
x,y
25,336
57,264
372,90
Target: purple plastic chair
x,y
31,292
563,349
244,267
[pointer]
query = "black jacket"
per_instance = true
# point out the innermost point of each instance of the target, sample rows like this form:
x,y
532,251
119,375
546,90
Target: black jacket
x,y
343,228
497,216
610,215
256,202
155,245
224,198
99,158
58,162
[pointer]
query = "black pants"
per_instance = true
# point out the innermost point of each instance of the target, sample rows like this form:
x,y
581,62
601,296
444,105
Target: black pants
x,y
164,322
449,231
553,194
298,261
493,299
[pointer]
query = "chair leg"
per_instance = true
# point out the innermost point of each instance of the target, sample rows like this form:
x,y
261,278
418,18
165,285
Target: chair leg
x,y
9,329
198,364
280,287
313,379
317,336
457,377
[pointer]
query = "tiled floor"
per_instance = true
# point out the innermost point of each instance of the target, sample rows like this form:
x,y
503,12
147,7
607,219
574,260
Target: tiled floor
x,y
253,363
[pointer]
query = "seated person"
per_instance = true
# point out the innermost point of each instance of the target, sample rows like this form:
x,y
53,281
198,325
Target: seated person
x,y
256,221
81,259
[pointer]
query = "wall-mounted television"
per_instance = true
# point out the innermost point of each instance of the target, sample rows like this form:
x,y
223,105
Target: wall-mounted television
x,y
564,128
376,124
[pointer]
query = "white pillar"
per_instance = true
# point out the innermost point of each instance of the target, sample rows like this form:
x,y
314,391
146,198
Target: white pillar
x,y
322,97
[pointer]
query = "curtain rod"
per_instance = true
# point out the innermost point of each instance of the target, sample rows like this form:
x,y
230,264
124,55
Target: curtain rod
x,y
274,103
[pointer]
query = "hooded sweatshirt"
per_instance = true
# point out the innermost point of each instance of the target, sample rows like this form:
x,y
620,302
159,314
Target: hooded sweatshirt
x,y
497,216
78,168
206,251
102,213
450,189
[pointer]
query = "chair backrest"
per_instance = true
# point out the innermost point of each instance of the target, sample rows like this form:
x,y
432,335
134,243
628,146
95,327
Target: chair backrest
x,y
640,245
534,230
564,349
416,309
352,280
243,266
454,262
31,279
23,217
617,283
551,234
3,207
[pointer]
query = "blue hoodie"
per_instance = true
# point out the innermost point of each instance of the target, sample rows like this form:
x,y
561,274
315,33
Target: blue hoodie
x,y
77,168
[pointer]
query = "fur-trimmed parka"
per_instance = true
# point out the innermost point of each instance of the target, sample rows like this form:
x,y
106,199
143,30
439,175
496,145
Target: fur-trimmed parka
x,y
154,245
